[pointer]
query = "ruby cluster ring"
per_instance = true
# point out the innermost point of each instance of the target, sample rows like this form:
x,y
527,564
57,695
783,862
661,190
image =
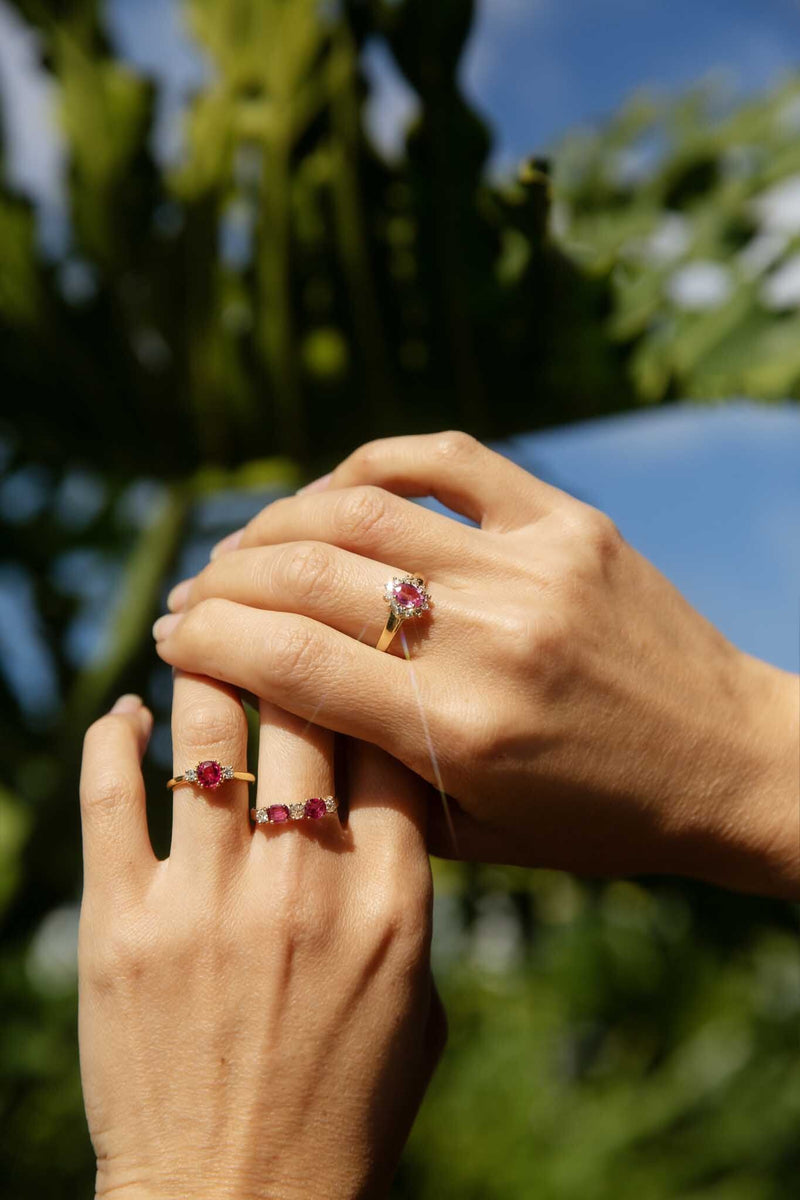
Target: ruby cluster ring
x,y
209,775
311,809
407,597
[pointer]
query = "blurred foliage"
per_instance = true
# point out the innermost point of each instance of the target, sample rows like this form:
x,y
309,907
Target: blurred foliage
x,y
691,211
218,328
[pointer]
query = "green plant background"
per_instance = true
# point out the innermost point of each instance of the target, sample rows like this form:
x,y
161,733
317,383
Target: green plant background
x,y
221,329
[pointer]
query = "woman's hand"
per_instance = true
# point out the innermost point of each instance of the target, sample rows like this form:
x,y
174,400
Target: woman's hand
x,y
574,705
257,1015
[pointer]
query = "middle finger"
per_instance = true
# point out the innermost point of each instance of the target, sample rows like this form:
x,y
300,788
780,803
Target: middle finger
x,y
368,521
342,590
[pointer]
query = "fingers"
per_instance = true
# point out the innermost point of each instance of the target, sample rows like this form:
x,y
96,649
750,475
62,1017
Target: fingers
x,y
388,803
366,521
116,844
302,666
464,475
295,764
209,826
343,590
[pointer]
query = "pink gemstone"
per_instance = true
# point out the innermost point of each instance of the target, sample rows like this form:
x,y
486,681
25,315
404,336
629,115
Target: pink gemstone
x,y
278,812
407,595
315,808
209,774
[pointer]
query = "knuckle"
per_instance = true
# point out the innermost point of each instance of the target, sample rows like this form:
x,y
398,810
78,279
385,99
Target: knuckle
x,y
479,743
400,916
120,954
369,456
206,724
208,615
597,536
547,644
454,445
304,568
603,535
293,650
362,511
107,792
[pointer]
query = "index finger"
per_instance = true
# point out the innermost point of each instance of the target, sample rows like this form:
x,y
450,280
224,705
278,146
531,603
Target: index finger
x,y
116,842
366,520
456,469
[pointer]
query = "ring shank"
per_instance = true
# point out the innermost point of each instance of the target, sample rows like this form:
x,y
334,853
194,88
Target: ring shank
x,y
244,776
393,623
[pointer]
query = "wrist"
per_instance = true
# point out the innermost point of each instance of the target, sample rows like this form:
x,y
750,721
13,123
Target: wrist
x,y
748,837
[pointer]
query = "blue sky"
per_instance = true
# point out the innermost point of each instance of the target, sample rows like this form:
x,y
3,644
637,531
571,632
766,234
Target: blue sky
x,y
539,67
711,495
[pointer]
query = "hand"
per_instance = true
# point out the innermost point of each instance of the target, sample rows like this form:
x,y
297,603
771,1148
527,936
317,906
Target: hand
x,y
257,1015
574,705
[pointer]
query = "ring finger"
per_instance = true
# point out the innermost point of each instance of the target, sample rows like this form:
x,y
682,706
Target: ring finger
x,y
295,764
340,589
209,824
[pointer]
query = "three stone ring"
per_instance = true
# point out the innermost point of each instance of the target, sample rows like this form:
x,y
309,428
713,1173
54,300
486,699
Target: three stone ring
x,y
209,775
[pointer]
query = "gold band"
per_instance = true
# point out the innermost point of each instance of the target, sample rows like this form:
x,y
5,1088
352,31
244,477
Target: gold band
x,y
311,809
209,775
245,777
393,623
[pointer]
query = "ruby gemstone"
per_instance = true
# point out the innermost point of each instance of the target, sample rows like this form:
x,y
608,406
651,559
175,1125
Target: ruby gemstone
x,y
315,808
278,812
408,596
209,774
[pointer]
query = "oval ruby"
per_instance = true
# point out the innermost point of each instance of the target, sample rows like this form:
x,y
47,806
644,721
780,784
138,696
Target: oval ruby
x,y
315,808
408,596
278,812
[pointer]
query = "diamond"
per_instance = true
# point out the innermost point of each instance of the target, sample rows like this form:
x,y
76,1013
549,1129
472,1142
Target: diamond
x,y
296,811
209,774
262,816
330,804
227,772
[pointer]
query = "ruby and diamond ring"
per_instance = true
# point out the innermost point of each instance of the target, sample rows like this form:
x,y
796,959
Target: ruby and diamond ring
x,y
407,597
311,809
209,775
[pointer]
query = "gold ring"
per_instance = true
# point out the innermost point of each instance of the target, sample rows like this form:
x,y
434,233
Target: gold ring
x,y
407,597
313,808
210,774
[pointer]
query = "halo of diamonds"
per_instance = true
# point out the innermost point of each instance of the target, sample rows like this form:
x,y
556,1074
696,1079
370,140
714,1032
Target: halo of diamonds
x,y
407,596
311,810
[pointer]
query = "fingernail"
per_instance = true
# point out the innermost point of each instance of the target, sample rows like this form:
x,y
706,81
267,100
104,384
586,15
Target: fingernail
x,y
228,543
317,485
129,703
165,625
179,595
